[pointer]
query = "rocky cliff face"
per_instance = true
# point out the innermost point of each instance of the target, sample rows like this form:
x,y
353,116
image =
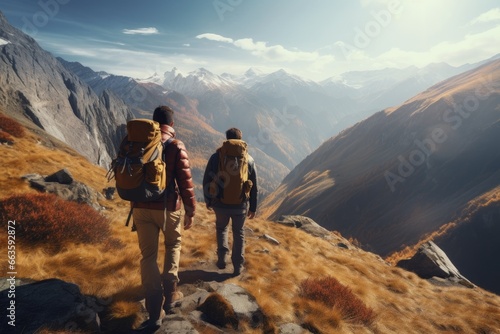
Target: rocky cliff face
x,y
35,85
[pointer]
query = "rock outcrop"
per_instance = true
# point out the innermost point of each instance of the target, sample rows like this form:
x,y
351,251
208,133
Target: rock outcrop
x,y
62,184
221,307
50,305
306,224
430,262
53,304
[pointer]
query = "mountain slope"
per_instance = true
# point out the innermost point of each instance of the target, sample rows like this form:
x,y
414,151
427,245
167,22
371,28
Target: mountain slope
x,y
35,86
401,301
406,171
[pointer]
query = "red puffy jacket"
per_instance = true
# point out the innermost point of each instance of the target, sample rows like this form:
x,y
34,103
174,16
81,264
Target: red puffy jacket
x,y
179,178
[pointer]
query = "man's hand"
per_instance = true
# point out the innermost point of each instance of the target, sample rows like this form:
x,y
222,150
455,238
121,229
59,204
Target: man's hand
x,y
251,215
188,222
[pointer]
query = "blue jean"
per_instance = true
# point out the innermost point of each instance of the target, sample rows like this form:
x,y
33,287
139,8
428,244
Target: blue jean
x,y
237,217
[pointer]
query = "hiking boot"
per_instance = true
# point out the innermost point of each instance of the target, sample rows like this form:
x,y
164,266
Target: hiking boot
x,y
221,263
176,295
149,326
238,270
171,295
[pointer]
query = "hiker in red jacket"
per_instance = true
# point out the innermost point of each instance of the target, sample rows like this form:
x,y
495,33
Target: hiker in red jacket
x,y
149,219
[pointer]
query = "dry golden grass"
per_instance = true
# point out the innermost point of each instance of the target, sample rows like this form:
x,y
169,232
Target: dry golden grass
x,y
401,301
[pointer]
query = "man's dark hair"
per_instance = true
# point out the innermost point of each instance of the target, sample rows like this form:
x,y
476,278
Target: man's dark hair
x,y
163,115
234,133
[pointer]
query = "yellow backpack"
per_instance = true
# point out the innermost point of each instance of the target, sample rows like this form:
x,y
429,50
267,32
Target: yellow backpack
x,y
139,169
232,183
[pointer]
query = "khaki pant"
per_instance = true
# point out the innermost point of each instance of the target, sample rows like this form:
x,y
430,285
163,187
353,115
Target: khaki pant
x,y
149,223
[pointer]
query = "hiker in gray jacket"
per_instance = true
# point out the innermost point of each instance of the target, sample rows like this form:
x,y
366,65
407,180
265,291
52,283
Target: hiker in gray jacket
x,y
230,189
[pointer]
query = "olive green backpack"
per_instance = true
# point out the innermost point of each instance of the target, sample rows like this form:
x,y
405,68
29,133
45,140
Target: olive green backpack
x,y
139,169
231,185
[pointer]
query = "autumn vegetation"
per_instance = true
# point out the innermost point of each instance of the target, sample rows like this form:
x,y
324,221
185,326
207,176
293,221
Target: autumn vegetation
x,y
48,221
10,128
304,280
335,295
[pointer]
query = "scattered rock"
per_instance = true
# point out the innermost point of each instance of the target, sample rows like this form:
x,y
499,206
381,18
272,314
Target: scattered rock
x,y
192,301
306,224
109,193
342,245
62,184
292,329
63,177
49,304
430,261
271,239
217,310
176,323
244,304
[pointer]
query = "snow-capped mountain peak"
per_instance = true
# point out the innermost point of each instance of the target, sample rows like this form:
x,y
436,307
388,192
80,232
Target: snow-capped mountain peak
x,y
155,78
195,82
286,79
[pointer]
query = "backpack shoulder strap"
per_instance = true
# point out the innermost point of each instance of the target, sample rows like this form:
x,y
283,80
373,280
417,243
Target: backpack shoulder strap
x,y
169,140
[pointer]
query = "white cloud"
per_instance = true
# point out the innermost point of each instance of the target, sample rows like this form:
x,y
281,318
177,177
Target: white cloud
x,y
105,42
490,16
141,31
472,48
271,53
215,37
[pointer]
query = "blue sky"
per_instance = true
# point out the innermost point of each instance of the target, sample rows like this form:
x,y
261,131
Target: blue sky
x,y
315,39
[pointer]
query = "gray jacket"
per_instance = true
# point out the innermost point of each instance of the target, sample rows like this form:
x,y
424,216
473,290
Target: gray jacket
x,y
211,171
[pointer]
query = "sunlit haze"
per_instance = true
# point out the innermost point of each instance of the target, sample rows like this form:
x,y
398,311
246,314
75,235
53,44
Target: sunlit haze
x,y
314,40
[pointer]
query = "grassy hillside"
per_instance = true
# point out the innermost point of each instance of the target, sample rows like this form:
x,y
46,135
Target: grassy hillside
x,y
401,302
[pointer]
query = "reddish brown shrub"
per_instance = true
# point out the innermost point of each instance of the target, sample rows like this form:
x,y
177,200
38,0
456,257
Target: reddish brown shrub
x,y
11,126
6,138
45,219
331,292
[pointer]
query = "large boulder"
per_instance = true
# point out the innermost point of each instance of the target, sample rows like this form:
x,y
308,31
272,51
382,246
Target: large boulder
x,y
430,261
221,307
61,183
49,304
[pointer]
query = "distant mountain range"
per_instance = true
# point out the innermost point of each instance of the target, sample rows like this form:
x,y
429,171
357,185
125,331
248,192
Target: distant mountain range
x,y
404,173
279,108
